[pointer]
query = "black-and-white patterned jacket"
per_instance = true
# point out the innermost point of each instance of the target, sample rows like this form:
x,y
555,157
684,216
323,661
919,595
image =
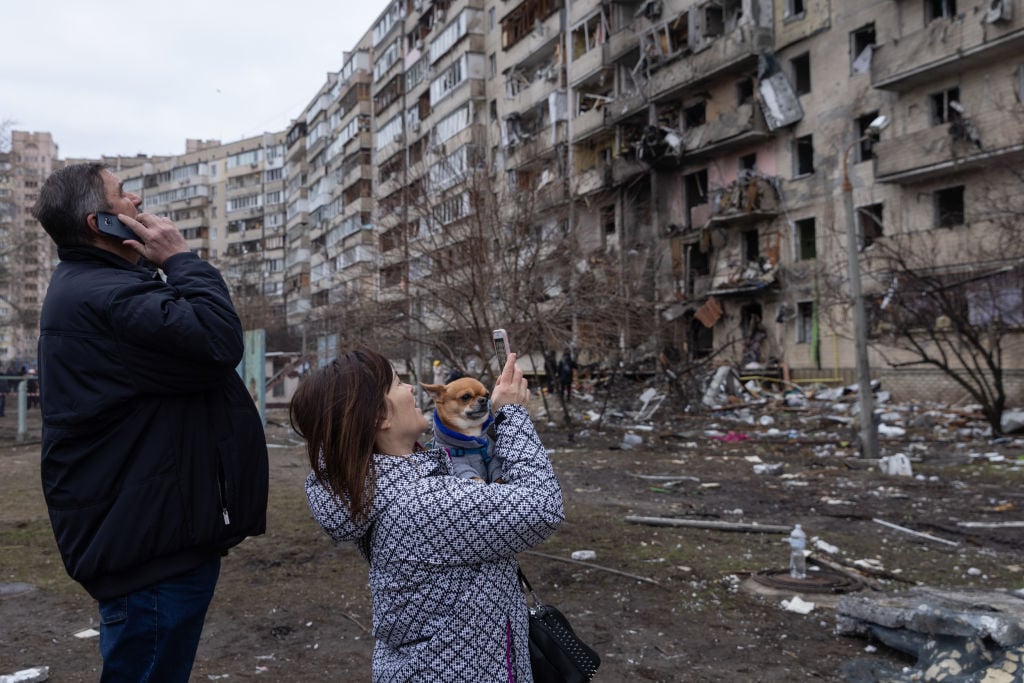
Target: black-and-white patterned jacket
x,y
446,599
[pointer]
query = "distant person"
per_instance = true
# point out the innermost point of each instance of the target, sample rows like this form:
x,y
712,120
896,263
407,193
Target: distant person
x,y
447,605
566,371
550,371
154,460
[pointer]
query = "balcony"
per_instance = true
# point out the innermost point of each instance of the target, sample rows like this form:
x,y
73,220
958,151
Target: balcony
x,y
946,149
538,149
746,200
946,47
624,170
623,107
533,94
587,124
622,43
581,9
551,195
589,64
724,55
741,127
593,180
542,39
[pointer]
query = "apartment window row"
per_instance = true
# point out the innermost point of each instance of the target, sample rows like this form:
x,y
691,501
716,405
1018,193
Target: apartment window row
x,y
525,20
415,74
391,54
449,171
177,194
453,33
246,202
452,77
389,132
452,209
392,15
242,158
454,123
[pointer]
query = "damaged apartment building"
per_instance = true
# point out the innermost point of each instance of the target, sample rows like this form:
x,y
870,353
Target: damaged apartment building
x,y
702,145
711,139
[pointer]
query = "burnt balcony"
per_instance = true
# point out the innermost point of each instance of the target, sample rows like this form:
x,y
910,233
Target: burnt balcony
x,y
988,139
748,199
536,92
551,195
728,54
621,43
543,39
946,47
741,127
624,170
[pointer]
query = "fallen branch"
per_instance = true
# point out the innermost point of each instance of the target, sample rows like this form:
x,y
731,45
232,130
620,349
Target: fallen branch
x,y
915,533
706,524
840,569
592,566
355,621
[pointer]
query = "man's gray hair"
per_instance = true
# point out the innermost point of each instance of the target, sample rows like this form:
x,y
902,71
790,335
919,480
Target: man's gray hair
x,y
67,197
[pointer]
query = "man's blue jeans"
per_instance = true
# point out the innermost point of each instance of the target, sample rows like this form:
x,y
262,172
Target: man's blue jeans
x,y
152,634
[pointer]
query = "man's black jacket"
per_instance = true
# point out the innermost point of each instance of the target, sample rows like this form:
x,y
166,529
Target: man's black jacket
x,y
153,456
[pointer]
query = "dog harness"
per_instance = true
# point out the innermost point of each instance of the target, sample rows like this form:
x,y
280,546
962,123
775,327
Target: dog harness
x,y
459,445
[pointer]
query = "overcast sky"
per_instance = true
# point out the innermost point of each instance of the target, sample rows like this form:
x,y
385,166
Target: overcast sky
x,y
117,77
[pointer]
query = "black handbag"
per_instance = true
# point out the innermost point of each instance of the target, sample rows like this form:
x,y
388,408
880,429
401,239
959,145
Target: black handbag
x,y
557,655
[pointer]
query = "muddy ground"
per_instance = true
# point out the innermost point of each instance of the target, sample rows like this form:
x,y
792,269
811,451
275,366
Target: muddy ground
x,y
291,607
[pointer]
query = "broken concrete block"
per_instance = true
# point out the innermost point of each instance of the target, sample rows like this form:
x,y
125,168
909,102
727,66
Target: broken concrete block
x,y
897,465
34,675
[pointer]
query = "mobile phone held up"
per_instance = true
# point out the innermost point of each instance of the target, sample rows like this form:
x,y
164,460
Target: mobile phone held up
x,y
109,224
501,347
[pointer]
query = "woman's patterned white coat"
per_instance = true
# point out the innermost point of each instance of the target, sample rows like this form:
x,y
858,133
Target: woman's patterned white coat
x,y
446,599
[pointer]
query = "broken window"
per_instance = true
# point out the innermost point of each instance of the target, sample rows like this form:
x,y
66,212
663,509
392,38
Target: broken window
x,y
938,9
944,107
525,19
589,34
801,66
695,114
869,219
807,246
751,245
862,44
804,322
794,9
608,219
748,162
803,155
663,42
701,338
865,150
696,187
949,207
744,92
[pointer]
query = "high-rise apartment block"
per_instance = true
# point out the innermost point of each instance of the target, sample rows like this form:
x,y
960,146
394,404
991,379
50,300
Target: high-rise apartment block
x,y
714,152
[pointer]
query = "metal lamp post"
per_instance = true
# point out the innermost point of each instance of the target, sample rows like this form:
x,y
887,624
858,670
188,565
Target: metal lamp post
x,y
868,431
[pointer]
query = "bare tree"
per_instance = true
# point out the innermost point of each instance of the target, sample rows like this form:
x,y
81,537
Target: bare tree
x,y
951,299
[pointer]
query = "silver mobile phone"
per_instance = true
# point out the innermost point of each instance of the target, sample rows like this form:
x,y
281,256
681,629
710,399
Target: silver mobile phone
x,y
501,346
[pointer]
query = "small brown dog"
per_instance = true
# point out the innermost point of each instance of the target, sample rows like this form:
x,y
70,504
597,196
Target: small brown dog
x,y
462,414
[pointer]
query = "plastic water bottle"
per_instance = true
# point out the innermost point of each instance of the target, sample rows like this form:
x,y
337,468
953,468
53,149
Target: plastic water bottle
x,y
797,561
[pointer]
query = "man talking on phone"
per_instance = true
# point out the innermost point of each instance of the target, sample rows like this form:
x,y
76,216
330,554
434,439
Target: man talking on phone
x,y
154,460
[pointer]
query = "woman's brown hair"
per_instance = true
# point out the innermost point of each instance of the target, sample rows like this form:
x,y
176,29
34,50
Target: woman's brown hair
x,y
338,410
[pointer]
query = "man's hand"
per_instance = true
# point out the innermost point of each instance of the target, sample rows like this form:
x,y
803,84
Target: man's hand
x,y
511,386
161,237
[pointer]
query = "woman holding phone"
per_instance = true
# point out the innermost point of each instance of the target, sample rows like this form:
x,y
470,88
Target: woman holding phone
x,y
443,573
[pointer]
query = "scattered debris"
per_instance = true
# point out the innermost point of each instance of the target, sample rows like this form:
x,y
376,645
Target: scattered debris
x,y
87,633
585,555
795,604
915,533
897,465
34,675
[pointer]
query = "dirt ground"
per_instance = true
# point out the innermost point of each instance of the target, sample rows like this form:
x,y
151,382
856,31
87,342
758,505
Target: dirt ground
x,y
292,607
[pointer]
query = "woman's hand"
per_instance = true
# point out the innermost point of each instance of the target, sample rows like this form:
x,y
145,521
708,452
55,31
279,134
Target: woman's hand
x,y
511,386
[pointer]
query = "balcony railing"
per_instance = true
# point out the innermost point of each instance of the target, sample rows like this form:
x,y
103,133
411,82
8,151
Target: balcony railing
x,y
733,129
992,137
945,47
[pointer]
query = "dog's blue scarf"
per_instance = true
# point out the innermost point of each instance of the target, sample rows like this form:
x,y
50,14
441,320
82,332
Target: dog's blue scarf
x,y
459,444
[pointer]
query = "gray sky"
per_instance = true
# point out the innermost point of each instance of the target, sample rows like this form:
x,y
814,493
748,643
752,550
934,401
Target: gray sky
x,y
118,77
